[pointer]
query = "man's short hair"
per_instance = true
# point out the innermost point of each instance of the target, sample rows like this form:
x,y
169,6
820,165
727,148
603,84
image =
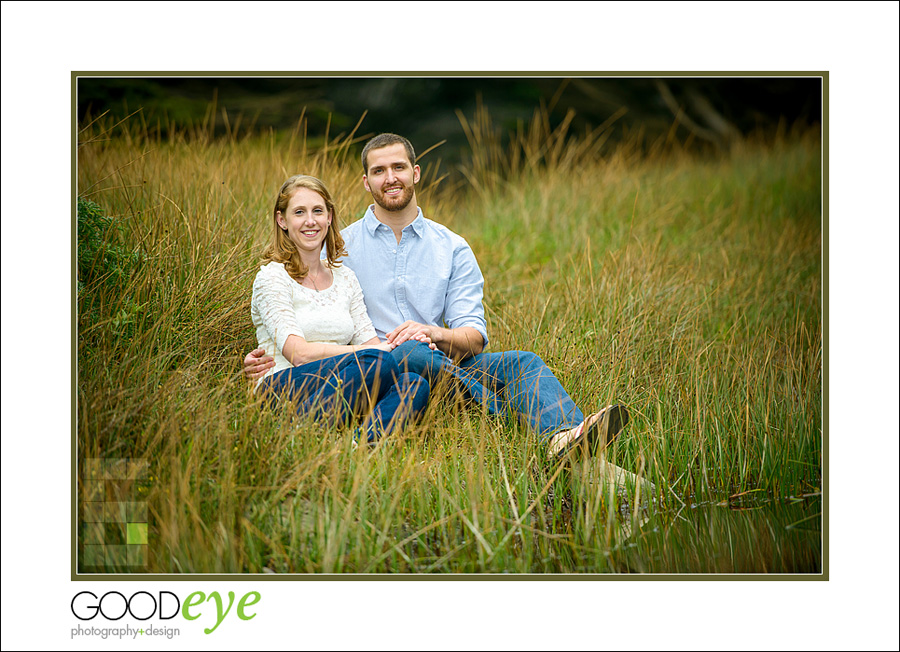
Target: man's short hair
x,y
385,140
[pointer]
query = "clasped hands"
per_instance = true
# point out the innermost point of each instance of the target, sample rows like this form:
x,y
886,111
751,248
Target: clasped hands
x,y
412,330
408,330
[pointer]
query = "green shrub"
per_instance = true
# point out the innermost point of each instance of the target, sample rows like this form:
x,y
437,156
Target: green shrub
x,y
100,258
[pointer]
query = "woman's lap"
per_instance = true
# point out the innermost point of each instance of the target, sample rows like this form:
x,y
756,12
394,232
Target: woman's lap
x,y
348,384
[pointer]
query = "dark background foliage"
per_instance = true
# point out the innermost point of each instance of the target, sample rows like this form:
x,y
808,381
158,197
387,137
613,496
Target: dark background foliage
x,y
705,111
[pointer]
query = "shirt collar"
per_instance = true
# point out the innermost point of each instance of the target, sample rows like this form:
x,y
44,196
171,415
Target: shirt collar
x,y
372,223
418,224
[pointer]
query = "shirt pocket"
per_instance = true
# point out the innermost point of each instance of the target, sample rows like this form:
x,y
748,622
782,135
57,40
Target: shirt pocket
x,y
429,296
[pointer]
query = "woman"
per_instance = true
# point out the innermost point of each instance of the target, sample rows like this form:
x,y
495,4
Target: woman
x,y
310,316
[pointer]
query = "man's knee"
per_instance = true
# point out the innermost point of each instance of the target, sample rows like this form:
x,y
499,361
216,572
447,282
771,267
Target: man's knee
x,y
410,349
368,355
529,359
418,358
523,361
378,365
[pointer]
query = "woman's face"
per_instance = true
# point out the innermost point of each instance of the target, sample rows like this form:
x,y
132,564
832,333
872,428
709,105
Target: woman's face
x,y
306,220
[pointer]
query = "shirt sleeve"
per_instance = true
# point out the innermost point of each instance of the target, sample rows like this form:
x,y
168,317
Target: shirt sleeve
x,y
463,305
273,297
363,331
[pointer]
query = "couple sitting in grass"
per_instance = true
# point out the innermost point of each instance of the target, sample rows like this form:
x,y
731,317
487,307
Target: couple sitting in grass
x,y
319,345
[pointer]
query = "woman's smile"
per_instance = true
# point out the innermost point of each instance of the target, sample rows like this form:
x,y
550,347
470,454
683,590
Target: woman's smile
x,y
306,219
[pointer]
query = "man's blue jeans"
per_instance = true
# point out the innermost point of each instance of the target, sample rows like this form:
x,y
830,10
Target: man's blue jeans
x,y
343,386
503,381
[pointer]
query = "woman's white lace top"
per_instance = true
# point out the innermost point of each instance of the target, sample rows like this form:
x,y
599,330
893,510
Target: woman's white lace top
x,y
281,307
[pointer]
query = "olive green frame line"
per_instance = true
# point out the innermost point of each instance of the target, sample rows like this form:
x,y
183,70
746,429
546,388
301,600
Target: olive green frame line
x,y
119,577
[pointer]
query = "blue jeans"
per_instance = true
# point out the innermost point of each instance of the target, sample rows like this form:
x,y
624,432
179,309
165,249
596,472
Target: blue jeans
x,y
516,381
344,386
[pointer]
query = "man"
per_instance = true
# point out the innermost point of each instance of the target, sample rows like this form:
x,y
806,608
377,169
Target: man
x,y
420,278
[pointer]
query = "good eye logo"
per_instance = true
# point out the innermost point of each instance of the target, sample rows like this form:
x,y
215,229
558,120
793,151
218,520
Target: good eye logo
x,y
143,606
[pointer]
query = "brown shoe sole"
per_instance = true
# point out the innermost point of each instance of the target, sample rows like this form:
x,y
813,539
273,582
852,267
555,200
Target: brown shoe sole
x,y
601,433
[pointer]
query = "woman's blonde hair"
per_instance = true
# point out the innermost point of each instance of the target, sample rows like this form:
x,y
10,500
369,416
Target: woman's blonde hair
x,y
282,249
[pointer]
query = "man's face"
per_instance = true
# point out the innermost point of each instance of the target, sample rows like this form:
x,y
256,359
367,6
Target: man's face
x,y
390,177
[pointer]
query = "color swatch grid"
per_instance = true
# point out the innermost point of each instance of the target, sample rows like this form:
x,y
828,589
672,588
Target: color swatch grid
x,y
113,517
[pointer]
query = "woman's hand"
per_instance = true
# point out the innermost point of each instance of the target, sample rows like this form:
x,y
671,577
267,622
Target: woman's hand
x,y
422,337
257,363
376,344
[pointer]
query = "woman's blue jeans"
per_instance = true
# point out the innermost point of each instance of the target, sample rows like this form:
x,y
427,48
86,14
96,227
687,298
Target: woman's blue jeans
x,y
345,386
504,381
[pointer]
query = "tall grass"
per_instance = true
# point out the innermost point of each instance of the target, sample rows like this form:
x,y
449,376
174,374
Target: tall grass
x,y
687,287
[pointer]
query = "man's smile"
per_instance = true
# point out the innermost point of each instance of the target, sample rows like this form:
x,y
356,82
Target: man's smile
x,y
391,178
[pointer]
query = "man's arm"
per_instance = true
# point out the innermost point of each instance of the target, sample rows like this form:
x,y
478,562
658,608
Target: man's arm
x,y
466,332
458,343
257,363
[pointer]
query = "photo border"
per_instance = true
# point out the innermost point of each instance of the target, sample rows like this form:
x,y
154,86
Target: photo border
x,y
824,180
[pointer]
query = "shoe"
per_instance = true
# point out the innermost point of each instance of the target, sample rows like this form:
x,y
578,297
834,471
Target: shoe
x,y
603,429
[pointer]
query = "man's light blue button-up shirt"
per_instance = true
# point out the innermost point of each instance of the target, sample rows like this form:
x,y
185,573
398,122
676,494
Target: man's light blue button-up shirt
x,y
430,276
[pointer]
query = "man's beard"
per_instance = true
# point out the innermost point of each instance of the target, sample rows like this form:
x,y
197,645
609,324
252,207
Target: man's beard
x,y
397,202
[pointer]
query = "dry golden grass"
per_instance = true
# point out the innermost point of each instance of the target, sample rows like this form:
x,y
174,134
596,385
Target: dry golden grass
x,y
688,288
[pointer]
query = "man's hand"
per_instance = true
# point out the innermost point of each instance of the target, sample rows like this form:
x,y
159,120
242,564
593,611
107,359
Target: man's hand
x,y
422,337
411,330
257,363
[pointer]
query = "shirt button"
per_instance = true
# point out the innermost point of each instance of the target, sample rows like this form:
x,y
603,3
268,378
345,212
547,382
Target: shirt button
x,y
393,251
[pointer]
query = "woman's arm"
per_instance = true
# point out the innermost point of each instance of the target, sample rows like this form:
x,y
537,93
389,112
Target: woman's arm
x,y
363,331
363,325
273,300
298,351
